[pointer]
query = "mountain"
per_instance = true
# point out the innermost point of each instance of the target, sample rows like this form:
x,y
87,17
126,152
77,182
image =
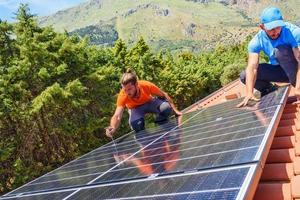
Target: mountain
x,y
175,24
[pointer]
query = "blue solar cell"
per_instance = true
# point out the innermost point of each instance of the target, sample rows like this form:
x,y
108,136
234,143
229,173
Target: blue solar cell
x,y
51,196
215,137
206,145
82,172
211,184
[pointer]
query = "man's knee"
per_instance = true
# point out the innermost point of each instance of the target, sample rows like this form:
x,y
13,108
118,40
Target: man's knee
x,y
243,77
287,61
138,125
165,109
283,52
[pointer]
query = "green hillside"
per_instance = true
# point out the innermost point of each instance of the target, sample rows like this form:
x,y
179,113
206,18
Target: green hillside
x,y
172,24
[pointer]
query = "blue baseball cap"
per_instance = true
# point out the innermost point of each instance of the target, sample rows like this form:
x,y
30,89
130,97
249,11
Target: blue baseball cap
x,y
271,18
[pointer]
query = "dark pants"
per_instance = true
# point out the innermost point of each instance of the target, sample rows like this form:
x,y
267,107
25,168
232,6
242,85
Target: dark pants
x,y
285,72
160,107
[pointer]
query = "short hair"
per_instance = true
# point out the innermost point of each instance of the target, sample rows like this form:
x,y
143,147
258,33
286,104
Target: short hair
x,y
129,77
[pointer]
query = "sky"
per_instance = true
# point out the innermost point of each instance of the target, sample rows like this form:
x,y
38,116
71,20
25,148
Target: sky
x,y
38,7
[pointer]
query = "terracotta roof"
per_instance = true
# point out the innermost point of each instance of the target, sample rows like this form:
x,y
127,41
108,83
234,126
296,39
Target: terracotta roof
x,y
280,179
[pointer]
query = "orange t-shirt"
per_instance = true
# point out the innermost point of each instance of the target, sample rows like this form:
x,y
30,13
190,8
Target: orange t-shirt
x,y
147,89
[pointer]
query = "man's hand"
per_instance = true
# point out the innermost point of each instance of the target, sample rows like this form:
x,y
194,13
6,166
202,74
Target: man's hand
x,y
297,94
246,100
177,112
109,131
114,122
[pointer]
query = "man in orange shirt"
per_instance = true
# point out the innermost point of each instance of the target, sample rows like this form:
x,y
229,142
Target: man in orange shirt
x,y
138,97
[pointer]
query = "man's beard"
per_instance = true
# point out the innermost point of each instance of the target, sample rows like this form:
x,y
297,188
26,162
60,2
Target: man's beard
x,y
276,37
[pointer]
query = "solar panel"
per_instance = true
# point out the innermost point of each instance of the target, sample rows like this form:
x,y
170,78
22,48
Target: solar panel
x,y
206,145
89,167
217,138
44,196
225,183
221,182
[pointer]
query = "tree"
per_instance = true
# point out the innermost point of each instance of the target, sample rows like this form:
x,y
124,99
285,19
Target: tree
x,y
143,61
7,45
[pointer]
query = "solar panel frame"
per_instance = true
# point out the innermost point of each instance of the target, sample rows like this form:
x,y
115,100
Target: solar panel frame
x,y
269,135
258,155
275,116
182,157
250,170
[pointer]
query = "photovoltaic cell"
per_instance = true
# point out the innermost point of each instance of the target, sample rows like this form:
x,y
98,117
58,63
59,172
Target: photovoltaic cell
x,y
219,143
82,172
50,196
210,138
190,186
219,183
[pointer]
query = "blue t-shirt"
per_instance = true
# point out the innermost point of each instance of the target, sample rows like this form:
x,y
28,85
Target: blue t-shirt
x,y
290,35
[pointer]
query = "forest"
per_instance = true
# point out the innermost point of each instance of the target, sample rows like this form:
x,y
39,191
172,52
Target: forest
x,y
58,92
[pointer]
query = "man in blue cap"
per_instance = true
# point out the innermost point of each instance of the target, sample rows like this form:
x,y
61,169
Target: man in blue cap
x,y
280,41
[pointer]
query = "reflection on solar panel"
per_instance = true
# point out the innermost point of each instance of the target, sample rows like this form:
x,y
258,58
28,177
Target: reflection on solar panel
x,y
212,153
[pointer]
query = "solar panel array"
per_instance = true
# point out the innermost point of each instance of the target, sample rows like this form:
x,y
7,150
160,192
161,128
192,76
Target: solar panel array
x,y
212,153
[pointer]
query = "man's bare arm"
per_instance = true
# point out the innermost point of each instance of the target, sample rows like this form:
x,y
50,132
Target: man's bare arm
x,y
115,121
164,94
172,104
251,72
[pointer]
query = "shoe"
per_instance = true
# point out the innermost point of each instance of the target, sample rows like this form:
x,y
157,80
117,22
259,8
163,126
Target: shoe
x,y
161,122
257,93
272,88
